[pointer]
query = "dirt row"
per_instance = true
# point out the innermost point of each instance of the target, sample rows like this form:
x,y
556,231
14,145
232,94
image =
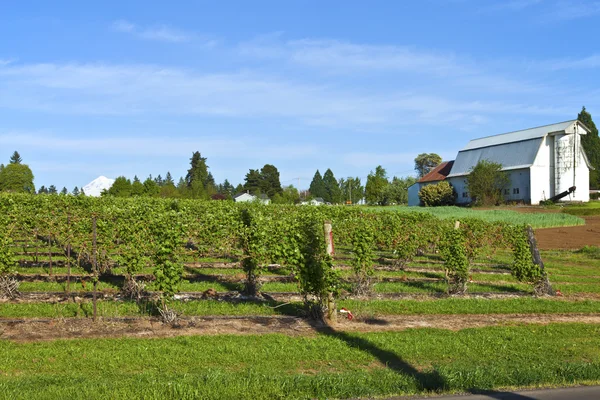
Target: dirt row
x,y
570,238
27,330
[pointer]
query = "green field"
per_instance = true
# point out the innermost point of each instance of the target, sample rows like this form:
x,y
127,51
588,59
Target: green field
x,y
536,220
327,365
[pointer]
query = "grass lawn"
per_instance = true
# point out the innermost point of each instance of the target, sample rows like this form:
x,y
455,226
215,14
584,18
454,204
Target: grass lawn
x,y
536,220
326,365
363,308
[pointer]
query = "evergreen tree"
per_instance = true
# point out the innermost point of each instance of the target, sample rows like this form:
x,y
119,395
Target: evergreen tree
x,y
16,158
43,190
376,184
269,181
226,189
317,186
169,179
182,187
239,189
151,188
591,145
137,187
76,191
252,182
159,180
199,181
52,189
121,188
64,191
333,194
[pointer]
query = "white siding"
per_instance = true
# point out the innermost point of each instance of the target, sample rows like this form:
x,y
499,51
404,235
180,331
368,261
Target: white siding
x,y
517,190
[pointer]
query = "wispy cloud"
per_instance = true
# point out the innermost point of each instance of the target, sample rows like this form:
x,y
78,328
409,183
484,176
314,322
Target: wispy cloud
x,y
344,56
158,146
162,33
101,89
590,62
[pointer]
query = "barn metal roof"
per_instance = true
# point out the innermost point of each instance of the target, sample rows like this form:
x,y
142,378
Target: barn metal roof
x,y
439,173
517,136
513,155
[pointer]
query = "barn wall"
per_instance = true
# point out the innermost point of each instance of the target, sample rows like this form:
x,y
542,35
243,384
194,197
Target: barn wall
x,y
413,195
568,148
542,172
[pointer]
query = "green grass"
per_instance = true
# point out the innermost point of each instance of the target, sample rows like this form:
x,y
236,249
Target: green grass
x,y
327,365
368,308
590,208
536,220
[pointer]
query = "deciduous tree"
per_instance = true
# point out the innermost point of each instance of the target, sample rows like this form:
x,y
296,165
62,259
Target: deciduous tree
x,y
425,162
376,184
485,183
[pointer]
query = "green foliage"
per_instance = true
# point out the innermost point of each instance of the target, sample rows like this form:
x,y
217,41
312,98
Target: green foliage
x,y
120,188
16,158
456,260
269,181
290,195
591,145
362,239
317,186
424,163
522,267
438,194
397,191
485,183
199,182
376,185
332,193
7,262
167,236
16,178
351,190
317,276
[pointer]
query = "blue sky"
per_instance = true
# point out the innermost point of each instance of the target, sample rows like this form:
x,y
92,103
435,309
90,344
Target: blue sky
x,y
134,87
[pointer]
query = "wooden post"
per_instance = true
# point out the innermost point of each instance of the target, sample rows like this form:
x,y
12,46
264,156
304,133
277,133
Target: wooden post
x,y
50,253
94,264
456,224
331,306
543,286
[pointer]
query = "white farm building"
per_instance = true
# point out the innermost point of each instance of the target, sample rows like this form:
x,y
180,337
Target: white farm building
x,y
541,162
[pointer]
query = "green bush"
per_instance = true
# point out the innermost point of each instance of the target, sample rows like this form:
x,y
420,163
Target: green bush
x,y
439,194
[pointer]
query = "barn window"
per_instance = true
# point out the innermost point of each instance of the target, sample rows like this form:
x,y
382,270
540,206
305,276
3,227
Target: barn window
x,y
506,191
465,194
515,190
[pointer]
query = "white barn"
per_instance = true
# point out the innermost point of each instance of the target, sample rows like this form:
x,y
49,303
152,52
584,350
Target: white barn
x,y
541,162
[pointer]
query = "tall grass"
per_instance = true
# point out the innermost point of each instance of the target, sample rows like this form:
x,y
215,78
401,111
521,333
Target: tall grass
x,y
536,220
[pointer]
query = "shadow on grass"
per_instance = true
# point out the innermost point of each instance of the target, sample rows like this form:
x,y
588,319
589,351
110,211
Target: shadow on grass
x,y
426,381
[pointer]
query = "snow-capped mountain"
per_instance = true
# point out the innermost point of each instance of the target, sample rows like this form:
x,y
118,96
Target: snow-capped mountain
x,y
95,187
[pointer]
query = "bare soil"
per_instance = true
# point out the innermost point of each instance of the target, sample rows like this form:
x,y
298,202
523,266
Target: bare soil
x,y
570,238
28,330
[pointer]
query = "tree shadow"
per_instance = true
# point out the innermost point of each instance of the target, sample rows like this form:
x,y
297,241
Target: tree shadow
x,y
426,381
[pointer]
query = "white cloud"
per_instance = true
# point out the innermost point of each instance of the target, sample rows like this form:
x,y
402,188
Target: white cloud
x,y
103,89
164,146
161,33
589,62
